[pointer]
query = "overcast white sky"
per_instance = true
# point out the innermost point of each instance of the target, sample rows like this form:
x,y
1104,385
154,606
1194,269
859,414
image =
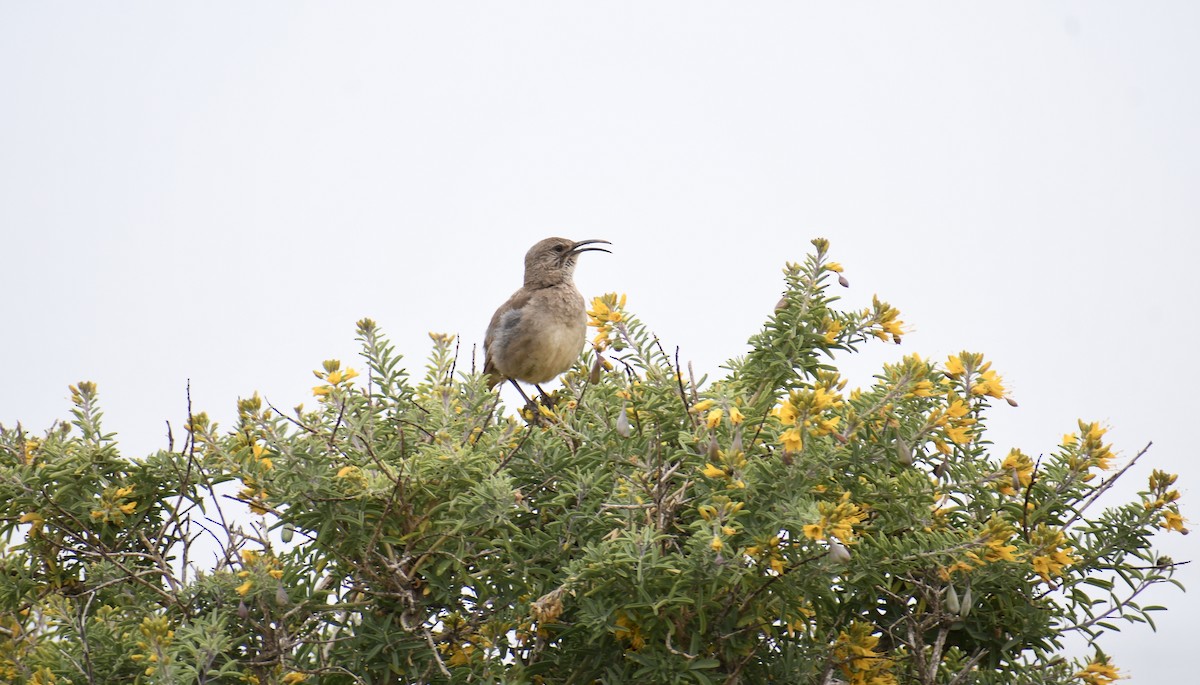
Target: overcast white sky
x,y
217,191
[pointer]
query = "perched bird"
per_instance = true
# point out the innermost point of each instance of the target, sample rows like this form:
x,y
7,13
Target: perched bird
x,y
540,331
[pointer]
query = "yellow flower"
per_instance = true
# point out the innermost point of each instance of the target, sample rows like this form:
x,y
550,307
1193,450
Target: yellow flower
x,y
735,416
923,389
1173,521
293,678
702,406
834,267
814,531
713,419
996,550
244,587
713,472
954,366
791,440
1017,472
988,384
1099,672
716,543
957,409
786,413
960,435
629,631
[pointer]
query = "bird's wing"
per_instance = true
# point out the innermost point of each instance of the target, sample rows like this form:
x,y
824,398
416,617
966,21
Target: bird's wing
x,y
506,317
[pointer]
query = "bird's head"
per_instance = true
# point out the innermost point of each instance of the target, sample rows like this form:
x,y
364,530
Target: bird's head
x,y
552,261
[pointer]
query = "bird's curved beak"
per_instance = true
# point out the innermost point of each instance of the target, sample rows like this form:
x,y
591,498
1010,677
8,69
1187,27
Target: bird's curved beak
x,y
579,246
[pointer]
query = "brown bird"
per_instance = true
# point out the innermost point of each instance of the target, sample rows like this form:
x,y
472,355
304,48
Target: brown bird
x,y
540,331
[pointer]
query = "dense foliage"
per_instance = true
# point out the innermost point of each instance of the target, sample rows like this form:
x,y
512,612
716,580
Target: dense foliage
x,y
641,525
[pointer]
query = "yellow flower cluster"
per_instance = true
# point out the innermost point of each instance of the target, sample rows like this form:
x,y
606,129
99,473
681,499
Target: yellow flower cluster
x,y
720,515
729,463
254,494
157,634
1016,473
809,412
1052,554
953,423
1087,449
112,508
334,377
975,374
605,314
1099,672
628,631
769,551
995,545
836,520
884,320
458,642
860,663
29,451
255,563
996,536
714,416
1162,496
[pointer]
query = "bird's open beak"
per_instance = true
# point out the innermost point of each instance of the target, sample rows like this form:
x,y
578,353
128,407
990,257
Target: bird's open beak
x,y
579,246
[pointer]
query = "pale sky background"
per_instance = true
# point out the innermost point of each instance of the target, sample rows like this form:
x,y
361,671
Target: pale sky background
x,y
217,191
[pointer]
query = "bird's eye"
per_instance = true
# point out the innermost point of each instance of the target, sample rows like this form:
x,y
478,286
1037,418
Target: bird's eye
x,y
559,248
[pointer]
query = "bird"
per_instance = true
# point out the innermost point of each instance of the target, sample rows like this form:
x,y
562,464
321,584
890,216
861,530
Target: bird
x,y
539,332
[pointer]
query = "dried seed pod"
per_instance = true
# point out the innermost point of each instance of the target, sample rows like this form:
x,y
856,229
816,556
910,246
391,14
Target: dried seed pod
x,y
838,553
597,367
904,453
952,603
623,429
714,449
281,597
843,282
967,600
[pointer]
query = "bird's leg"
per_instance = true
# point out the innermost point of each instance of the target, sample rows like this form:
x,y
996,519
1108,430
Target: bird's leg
x,y
546,399
529,404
